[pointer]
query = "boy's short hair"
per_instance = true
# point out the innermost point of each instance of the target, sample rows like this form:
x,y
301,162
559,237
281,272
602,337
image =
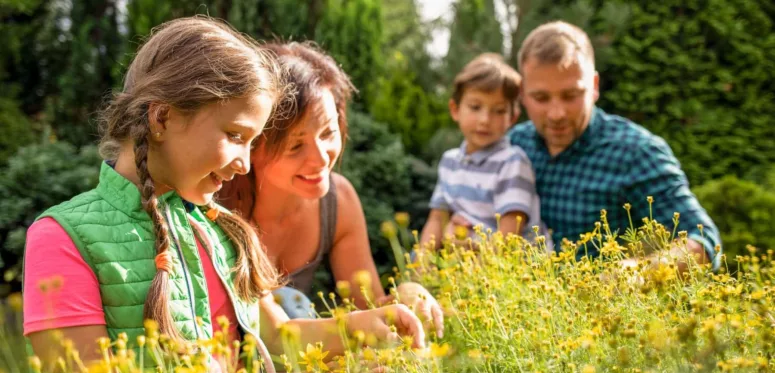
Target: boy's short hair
x,y
488,72
556,43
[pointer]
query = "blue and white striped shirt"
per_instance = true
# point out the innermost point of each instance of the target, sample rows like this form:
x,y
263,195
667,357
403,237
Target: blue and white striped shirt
x,y
494,180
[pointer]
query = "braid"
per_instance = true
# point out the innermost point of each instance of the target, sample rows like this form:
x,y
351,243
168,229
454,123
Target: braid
x,y
254,275
157,303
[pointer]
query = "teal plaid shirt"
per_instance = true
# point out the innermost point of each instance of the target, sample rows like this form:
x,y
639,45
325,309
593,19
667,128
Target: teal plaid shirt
x,y
615,161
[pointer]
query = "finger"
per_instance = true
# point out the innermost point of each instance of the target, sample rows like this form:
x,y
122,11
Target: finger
x,y
438,320
424,312
409,321
382,332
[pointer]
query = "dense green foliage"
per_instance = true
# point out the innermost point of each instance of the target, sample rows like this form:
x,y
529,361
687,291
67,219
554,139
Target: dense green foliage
x,y
743,211
34,179
699,74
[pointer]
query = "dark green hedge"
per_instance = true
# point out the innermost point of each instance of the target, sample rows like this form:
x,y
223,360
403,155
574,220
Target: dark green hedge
x,y
699,73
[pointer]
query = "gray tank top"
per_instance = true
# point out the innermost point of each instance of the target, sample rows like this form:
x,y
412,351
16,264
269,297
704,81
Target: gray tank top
x,y
303,277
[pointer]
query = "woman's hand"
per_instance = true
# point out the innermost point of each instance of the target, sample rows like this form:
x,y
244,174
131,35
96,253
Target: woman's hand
x,y
379,320
420,300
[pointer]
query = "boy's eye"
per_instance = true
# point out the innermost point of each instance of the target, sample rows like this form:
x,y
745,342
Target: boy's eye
x,y
474,107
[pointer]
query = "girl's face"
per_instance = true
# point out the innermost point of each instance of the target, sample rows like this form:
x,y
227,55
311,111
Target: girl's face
x,y
303,168
195,154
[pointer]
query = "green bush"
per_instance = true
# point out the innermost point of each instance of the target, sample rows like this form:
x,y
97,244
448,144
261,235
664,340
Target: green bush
x,y
408,109
351,32
379,169
36,178
15,129
699,74
743,212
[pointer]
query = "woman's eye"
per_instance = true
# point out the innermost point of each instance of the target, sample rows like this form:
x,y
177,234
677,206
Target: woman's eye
x,y
235,136
328,134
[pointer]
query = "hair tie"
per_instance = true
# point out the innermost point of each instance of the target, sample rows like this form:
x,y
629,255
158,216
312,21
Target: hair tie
x,y
164,261
213,213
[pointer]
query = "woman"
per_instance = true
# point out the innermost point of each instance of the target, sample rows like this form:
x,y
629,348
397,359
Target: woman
x,y
304,211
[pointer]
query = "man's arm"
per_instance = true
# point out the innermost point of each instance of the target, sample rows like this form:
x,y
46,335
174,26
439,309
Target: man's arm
x,y
656,173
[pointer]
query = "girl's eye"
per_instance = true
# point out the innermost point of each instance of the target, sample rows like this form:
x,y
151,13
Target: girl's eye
x,y
295,147
500,111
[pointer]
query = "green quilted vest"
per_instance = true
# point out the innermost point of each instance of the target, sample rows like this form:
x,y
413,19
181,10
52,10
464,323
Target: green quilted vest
x,y
115,237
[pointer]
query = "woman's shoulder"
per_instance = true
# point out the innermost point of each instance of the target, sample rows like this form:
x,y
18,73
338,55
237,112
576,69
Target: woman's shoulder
x,y
345,191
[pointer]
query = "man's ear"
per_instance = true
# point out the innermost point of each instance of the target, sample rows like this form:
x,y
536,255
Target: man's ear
x,y
516,111
453,109
158,115
596,93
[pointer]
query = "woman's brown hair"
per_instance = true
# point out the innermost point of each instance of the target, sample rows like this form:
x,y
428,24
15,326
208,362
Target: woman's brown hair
x,y
309,71
186,64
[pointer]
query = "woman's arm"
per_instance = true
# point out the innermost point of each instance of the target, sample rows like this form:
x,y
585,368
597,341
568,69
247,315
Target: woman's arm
x,y
351,252
375,321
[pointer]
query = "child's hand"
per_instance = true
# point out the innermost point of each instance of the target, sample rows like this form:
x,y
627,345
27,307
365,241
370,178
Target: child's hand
x,y
378,321
458,219
455,227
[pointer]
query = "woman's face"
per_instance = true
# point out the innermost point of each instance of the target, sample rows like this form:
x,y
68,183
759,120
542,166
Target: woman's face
x,y
303,168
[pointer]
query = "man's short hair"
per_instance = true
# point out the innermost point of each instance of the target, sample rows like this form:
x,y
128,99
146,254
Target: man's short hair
x,y
556,43
488,72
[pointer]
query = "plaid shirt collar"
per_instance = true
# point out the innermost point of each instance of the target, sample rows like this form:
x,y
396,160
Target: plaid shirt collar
x,y
478,157
586,139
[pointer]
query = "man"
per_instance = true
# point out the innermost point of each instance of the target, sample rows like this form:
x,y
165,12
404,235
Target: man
x,y
586,160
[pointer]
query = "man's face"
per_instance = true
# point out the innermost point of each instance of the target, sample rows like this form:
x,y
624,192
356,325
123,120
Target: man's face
x,y
559,100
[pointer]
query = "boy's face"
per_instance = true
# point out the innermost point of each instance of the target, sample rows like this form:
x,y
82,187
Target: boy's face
x,y
483,117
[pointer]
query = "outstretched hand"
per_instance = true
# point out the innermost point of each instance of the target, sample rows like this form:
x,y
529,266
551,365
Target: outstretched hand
x,y
420,300
379,321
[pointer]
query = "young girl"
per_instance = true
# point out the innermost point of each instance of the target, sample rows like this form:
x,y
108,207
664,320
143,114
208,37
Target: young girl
x,y
307,214
148,242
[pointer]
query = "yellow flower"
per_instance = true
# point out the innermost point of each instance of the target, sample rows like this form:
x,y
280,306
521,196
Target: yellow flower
x,y
343,288
313,358
15,301
362,278
35,363
369,354
388,229
402,218
439,350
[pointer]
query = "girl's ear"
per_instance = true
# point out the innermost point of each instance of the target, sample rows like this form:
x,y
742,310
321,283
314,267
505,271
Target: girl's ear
x,y
158,115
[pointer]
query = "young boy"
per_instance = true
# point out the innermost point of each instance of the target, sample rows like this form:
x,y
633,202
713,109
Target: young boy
x,y
485,176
